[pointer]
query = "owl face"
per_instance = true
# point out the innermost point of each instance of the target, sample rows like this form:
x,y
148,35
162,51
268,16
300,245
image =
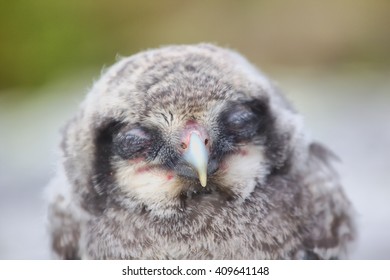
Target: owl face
x,y
182,121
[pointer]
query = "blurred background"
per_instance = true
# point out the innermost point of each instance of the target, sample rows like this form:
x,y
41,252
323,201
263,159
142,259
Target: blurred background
x,y
332,58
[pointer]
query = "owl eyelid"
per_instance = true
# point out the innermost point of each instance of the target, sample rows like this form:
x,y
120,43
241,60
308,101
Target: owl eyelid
x,y
131,142
138,132
240,118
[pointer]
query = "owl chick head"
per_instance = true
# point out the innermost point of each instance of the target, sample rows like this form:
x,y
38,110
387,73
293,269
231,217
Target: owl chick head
x,y
176,122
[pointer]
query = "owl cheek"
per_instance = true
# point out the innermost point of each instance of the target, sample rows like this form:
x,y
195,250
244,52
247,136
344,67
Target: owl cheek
x,y
228,166
149,184
242,169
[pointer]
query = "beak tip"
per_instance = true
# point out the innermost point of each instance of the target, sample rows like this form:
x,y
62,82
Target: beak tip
x,y
203,182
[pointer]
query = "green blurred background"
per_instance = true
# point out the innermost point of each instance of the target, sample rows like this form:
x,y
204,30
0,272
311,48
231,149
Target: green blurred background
x,y
331,57
42,40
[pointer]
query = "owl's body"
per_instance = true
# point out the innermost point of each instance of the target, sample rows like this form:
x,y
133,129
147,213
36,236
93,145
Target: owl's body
x,y
188,152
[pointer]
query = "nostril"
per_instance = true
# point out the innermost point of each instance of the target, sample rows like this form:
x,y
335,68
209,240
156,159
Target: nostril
x,y
206,141
183,145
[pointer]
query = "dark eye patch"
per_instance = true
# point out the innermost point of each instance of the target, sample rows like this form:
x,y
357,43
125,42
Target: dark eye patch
x,y
239,123
118,138
133,142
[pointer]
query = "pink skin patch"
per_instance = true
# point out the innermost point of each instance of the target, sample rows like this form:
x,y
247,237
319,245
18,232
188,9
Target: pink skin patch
x,y
191,123
170,176
156,170
243,152
190,127
143,169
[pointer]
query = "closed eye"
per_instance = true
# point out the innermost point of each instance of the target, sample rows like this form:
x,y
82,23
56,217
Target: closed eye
x,y
132,143
239,123
239,119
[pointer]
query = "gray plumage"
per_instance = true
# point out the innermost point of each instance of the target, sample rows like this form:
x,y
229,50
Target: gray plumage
x,y
125,188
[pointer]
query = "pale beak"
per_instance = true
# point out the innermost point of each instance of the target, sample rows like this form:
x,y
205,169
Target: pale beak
x,y
197,156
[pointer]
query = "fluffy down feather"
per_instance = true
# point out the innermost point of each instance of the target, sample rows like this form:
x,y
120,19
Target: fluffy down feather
x,y
125,189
